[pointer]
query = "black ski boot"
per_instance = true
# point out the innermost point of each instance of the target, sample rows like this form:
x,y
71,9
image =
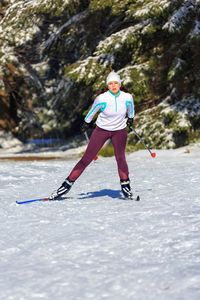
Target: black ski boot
x,y
63,189
126,189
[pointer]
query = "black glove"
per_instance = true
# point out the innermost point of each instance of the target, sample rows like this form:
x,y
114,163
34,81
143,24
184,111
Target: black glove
x,y
84,126
129,123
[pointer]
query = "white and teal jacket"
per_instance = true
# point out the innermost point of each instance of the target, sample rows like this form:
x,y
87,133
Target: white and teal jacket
x,y
114,109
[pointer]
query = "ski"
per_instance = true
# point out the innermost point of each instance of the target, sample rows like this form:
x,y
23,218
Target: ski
x,y
137,198
43,199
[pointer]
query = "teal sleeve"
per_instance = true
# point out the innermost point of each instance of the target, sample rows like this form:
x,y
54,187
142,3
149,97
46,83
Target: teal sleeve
x,y
130,107
94,109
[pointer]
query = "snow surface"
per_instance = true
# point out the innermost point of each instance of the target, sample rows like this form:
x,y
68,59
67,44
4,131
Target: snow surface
x,y
97,245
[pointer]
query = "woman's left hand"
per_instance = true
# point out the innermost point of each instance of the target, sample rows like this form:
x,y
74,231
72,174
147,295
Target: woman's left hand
x,y
129,122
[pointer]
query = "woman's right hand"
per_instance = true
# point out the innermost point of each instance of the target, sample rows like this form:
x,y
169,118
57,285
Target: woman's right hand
x,y
85,126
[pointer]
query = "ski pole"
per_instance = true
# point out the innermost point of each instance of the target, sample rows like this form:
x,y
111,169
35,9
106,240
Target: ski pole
x,y
87,139
153,154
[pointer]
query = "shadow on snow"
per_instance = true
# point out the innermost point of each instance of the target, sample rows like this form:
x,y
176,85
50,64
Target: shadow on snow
x,y
115,194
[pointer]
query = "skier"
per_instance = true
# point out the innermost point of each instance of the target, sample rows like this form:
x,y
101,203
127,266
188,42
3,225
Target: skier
x,y
111,123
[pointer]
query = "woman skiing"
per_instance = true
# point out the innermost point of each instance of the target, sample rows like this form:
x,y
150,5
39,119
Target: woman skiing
x,y
114,105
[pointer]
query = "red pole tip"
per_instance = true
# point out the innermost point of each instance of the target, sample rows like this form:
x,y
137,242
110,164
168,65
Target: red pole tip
x,y
153,154
96,157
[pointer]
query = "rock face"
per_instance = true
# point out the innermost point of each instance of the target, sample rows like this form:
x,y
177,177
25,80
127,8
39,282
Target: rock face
x,y
54,56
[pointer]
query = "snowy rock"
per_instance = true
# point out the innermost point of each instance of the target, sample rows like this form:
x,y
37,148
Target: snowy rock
x,y
9,142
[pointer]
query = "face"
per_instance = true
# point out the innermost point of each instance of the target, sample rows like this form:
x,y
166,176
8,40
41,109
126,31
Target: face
x,y
114,87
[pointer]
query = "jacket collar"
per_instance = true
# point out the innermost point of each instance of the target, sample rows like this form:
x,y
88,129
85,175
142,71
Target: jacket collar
x,y
114,94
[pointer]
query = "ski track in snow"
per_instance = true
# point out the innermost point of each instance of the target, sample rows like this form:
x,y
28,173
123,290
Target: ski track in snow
x,y
97,245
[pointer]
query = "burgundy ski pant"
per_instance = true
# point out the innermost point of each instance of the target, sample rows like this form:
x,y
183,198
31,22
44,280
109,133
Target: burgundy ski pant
x,y
97,140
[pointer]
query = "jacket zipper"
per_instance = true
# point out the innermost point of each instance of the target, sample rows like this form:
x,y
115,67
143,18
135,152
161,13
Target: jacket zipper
x,y
115,99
